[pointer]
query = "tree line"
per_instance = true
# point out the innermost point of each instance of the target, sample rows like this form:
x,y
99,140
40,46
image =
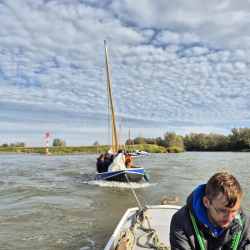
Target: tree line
x,y
56,143
170,140
14,145
59,143
238,140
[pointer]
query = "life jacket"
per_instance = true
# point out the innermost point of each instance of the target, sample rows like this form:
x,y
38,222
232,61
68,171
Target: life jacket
x,y
128,161
231,245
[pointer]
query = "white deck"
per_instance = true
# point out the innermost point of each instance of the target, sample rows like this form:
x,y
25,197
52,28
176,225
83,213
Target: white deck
x,y
159,218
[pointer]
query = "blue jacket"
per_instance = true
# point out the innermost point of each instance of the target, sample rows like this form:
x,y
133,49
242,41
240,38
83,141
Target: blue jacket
x,y
182,234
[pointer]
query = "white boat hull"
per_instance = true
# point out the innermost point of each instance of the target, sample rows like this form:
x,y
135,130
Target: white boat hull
x,y
159,218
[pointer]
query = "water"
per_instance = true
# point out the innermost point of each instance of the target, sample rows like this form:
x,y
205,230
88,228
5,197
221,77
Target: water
x,y
53,202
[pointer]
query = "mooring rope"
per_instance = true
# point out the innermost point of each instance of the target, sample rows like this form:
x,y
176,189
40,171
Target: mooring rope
x,y
129,235
133,191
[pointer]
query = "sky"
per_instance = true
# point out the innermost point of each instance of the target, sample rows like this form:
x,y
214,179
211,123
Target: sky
x,y
180,66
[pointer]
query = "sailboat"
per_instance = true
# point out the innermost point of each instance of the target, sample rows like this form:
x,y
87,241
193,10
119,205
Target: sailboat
x,y
131,152
117,171
142,152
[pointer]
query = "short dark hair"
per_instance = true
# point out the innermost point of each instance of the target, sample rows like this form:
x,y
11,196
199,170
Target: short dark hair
x,y
227,185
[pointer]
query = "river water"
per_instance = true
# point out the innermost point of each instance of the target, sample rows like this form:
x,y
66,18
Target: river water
x,y
54,202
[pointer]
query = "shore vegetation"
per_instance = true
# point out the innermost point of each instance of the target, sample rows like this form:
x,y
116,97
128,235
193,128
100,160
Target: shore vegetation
x,y
98,149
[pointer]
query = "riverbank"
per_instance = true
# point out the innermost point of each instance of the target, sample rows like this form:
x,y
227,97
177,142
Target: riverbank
x,y
87,149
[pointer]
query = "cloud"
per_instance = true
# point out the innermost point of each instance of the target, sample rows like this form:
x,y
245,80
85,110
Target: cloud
x,y
174,66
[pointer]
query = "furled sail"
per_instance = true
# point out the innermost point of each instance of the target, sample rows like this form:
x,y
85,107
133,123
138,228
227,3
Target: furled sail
x,y
118,163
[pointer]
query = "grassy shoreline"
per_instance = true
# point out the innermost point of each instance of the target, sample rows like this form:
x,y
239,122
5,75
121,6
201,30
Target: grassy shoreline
x,y
87,149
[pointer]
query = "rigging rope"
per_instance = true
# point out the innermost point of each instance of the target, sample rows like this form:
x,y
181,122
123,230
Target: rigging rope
x,y
128,235
133,191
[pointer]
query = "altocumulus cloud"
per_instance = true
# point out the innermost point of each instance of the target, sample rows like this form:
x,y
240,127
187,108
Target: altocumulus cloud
x,y
178,66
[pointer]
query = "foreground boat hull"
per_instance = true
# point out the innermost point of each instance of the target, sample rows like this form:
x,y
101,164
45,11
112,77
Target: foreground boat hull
x,y
133,174
159,217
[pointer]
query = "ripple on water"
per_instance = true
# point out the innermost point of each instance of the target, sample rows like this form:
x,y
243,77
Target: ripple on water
x,y
115,184
54,202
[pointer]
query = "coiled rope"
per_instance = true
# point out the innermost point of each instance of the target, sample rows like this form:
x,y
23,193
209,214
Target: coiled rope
x,y
128,236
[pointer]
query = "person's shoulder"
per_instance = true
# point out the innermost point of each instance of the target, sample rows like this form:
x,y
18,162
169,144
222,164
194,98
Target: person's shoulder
x,y
180,221
181,215
182,212
245,220
245,241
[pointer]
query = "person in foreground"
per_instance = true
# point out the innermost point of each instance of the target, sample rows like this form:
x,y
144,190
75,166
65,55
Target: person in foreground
x,y
212,218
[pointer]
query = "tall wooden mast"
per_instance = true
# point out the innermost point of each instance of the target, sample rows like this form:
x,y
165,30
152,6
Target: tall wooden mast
x,y
112,135
140,140
111,97
129,141
120,133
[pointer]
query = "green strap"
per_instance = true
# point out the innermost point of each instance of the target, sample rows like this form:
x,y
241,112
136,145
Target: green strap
x,y
232,244
239,234
197,231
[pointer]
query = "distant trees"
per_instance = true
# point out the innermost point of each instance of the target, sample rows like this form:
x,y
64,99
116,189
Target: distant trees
x,y
129,142
150,141
179,142
96,143
141,140
239,140
158,141
59,143
169,139
172,140
18,144
14,145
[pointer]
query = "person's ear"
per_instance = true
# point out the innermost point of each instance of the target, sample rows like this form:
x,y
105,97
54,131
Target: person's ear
x,y
206,202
